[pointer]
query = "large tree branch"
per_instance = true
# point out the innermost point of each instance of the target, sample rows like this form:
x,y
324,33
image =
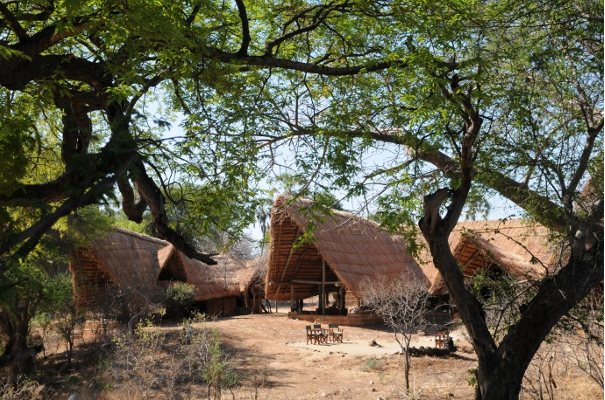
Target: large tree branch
x,y
557,295
275,62
132,207
51,35
14,23
436,232
241,7
541,207
17,72
593,133
85,196
32,195
153,197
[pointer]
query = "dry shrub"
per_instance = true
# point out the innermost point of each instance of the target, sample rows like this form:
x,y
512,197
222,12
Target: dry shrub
x,y
146,361
137,355
24,390
203,359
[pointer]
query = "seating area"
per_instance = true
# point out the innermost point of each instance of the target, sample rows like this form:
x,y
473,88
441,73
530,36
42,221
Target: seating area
x,y
441,338
318,335
441,333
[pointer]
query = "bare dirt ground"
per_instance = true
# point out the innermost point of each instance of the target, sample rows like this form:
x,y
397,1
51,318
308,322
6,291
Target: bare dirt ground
x,y
271,353
275,347
349,370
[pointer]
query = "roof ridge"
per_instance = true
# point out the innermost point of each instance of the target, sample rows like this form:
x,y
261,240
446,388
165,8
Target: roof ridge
x,y
140,235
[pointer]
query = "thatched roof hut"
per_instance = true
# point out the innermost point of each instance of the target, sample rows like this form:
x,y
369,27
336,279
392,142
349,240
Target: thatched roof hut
x,y
136,262
521,249
344,250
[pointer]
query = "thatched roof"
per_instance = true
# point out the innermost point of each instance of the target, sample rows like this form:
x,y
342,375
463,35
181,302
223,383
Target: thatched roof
x,y
522,249
254,273
140,262
352,247
355,249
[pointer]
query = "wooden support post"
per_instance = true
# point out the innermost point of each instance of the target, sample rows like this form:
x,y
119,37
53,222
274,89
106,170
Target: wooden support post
x,y
322,288
292,304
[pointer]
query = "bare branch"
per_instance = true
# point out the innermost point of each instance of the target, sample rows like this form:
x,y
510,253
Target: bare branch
x,y
243,50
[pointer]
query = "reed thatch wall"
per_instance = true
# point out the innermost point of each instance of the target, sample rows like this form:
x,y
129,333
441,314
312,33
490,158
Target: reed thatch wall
x,y
352,248
139,262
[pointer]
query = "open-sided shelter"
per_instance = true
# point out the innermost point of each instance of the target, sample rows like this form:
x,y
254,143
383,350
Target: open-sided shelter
x,y
343,251
143,265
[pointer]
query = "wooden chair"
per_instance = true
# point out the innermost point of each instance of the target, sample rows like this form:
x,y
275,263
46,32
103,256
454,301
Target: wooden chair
x,y
322,335
311,335
335,333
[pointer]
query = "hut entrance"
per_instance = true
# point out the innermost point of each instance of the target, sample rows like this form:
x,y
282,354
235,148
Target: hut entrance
x,y
172,270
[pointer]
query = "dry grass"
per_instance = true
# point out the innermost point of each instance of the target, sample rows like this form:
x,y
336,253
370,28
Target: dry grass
x,y
270,357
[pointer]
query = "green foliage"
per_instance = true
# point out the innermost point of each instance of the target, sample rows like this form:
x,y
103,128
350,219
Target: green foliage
x,y
369,99
178,299
67,319
373,364
502,296
87,224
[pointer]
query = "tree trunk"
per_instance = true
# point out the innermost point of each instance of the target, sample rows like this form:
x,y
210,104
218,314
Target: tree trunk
x,y
407,365
501,368
556,297
17,355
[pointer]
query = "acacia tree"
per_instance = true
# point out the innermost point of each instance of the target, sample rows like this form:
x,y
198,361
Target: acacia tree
x,y
466,98
485,98
403,305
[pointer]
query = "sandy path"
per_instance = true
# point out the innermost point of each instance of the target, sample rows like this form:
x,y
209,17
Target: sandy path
x,y
275,347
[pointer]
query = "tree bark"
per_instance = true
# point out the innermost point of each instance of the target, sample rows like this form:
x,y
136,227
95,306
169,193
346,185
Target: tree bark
x,y
556,297
17,356
501,368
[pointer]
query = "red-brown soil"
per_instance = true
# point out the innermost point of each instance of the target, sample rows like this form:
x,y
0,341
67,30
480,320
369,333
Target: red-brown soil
x,y
271,350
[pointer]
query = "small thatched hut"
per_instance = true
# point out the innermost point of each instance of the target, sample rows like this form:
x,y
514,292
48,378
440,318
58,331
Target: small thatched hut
x,y
145,266
344,250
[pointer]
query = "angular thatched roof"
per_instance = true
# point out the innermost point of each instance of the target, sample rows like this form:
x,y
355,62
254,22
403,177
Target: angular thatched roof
x,y
353,249
139,262
522,249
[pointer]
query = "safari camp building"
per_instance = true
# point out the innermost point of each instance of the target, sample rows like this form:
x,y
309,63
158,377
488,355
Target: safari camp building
x,y
144,266
515,247
345,250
